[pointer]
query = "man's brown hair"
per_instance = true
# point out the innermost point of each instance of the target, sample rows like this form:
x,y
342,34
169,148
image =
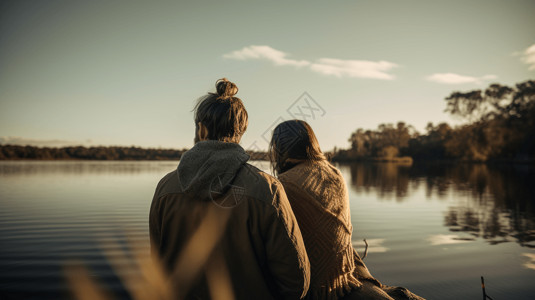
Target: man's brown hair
x,y
223,115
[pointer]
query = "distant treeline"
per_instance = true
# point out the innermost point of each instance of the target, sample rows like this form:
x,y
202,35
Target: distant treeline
x,y
500,127
14,152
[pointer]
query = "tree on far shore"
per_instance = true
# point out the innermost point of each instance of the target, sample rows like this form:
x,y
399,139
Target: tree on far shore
x,y
500,125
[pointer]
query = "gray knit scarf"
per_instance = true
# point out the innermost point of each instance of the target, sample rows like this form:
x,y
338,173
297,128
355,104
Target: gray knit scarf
x,y
208,165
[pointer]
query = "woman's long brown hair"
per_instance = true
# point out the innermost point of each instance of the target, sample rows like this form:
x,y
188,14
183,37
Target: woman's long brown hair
x,y
293,142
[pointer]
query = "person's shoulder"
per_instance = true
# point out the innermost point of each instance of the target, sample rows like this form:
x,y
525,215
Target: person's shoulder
x,y
331,168
258,184
299,173
256,177
167,177
310,174
168,184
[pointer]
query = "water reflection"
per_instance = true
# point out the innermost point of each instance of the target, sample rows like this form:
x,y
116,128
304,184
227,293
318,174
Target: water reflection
x,y
531,263
384,178
447,239
494,202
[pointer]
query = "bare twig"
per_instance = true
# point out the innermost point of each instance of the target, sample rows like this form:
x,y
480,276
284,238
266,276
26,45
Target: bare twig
x,y
365,250
483,288
485,296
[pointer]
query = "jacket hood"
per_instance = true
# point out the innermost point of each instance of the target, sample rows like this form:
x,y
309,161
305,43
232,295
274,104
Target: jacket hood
x,y
210,166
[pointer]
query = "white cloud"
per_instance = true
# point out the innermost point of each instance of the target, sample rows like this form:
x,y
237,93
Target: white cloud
x,y
267,53
448,239
528,57
327,66
16,140
452,78
488,77
354,68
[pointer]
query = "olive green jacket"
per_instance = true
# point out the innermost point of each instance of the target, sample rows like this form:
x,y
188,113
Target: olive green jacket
x,y
219,224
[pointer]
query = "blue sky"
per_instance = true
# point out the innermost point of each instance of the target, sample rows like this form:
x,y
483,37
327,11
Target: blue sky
x,y
129,72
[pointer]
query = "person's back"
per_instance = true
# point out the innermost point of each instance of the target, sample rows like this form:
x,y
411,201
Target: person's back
x,y
220,225
318,196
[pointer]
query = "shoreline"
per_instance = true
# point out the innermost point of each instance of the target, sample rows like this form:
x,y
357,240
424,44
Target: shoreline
x,y
404,161
133,153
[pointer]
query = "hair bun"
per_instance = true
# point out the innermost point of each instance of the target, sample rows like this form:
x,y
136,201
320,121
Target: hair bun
x,y
225,88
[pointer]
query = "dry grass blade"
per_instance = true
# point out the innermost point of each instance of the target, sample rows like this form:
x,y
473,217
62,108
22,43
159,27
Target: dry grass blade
x,y
154,275
82,286
200,247
145,278
218,279
150,283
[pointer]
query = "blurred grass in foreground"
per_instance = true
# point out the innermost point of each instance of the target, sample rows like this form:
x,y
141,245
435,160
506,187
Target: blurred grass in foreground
x,y
144,277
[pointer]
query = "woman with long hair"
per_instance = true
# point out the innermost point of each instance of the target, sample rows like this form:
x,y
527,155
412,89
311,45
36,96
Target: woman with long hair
x,y
318,195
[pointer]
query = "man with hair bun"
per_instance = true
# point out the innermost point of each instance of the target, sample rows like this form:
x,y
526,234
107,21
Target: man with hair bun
x,y
220,225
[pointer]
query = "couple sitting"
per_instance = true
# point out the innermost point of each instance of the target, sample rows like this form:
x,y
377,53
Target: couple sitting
x,y
224,229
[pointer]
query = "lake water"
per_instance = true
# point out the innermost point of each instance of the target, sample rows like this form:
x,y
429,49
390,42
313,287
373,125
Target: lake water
x,y
434,229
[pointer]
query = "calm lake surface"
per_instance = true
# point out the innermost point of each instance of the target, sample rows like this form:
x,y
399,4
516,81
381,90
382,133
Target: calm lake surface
x,y
434,229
